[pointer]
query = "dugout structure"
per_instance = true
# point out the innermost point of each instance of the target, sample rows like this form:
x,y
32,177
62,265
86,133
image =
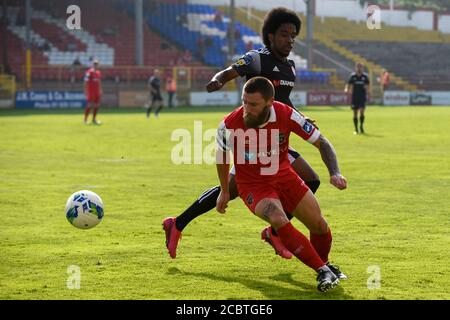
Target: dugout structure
x,y
7,90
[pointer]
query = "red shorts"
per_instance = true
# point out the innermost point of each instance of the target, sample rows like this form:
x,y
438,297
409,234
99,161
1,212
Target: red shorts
x,y
93,97
289,189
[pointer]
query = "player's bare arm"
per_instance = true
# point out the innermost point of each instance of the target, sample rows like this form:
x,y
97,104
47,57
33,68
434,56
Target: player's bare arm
x,y
329,157
220,78
348,88
223,168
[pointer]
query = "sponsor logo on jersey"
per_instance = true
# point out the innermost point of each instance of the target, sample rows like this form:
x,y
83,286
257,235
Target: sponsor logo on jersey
x,y
276,69
245,60
278,83
307,127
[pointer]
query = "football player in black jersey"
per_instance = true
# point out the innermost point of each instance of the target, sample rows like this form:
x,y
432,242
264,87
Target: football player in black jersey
x,y
358,86
280,28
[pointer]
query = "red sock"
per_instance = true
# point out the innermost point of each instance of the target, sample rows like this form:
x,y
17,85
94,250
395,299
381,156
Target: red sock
x,y
95,112
322,244
300,246
86,113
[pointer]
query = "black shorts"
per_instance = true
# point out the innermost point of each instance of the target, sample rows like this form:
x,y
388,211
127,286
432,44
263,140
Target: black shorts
x,y
358,104
156,97
293,154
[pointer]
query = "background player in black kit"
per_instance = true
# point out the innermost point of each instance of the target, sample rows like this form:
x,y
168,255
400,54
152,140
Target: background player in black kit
x,y
280,28
155,100
358,86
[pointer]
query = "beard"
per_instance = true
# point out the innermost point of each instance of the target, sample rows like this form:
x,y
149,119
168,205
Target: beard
x,y
254,122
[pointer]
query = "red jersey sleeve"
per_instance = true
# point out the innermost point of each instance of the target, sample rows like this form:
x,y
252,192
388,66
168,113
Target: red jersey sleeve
x,y
303,128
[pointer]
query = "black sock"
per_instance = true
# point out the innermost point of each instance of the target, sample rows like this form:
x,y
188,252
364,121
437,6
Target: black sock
x,y
361,120
158,110
203,204
149,110
355,121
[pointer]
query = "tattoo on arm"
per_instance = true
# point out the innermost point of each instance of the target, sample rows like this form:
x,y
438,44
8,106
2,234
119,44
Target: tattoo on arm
x,y
329,156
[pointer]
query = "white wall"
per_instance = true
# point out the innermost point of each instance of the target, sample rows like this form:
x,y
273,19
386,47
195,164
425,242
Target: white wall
x,y
444,24
350,9
297,5
421,20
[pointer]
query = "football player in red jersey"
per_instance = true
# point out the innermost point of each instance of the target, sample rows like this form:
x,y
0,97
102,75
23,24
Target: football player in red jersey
x,y
93,91
258,135
280,28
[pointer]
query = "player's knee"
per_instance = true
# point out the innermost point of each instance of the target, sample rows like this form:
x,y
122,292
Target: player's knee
x,y
276,217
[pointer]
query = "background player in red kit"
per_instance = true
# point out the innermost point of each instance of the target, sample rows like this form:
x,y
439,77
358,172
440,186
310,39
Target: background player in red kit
x,y
93,91
258,134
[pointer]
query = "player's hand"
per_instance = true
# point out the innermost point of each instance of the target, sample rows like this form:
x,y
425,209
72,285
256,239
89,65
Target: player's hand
x,y
214,86
311,121
222,201
338,181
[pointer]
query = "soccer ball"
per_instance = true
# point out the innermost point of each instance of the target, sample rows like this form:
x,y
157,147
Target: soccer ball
x,y
84,209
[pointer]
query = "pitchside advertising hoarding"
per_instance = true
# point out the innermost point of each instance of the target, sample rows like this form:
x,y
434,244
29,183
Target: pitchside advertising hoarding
x,y
426,98
298,98
218,98
50,99
327,98
396,98
440,98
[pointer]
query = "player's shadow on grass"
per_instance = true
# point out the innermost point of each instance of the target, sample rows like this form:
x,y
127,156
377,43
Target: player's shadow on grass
x,y
270,289
371,135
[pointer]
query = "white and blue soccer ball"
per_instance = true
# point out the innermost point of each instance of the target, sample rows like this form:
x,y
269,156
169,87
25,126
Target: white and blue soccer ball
x,y
84,209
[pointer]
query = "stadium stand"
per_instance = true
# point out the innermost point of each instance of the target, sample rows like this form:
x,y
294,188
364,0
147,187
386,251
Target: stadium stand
x,y
391,48
414,61
192,27
337,38
180,34
54,47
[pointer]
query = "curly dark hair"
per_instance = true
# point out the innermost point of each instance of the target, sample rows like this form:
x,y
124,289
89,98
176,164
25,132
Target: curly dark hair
x,y
275,18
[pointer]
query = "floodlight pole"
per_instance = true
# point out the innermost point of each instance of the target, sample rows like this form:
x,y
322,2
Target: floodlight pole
x,y
28,43
138,12
231,29
5,37
309,31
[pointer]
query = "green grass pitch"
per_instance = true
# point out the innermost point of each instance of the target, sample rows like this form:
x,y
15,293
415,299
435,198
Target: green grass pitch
x,y
394,216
